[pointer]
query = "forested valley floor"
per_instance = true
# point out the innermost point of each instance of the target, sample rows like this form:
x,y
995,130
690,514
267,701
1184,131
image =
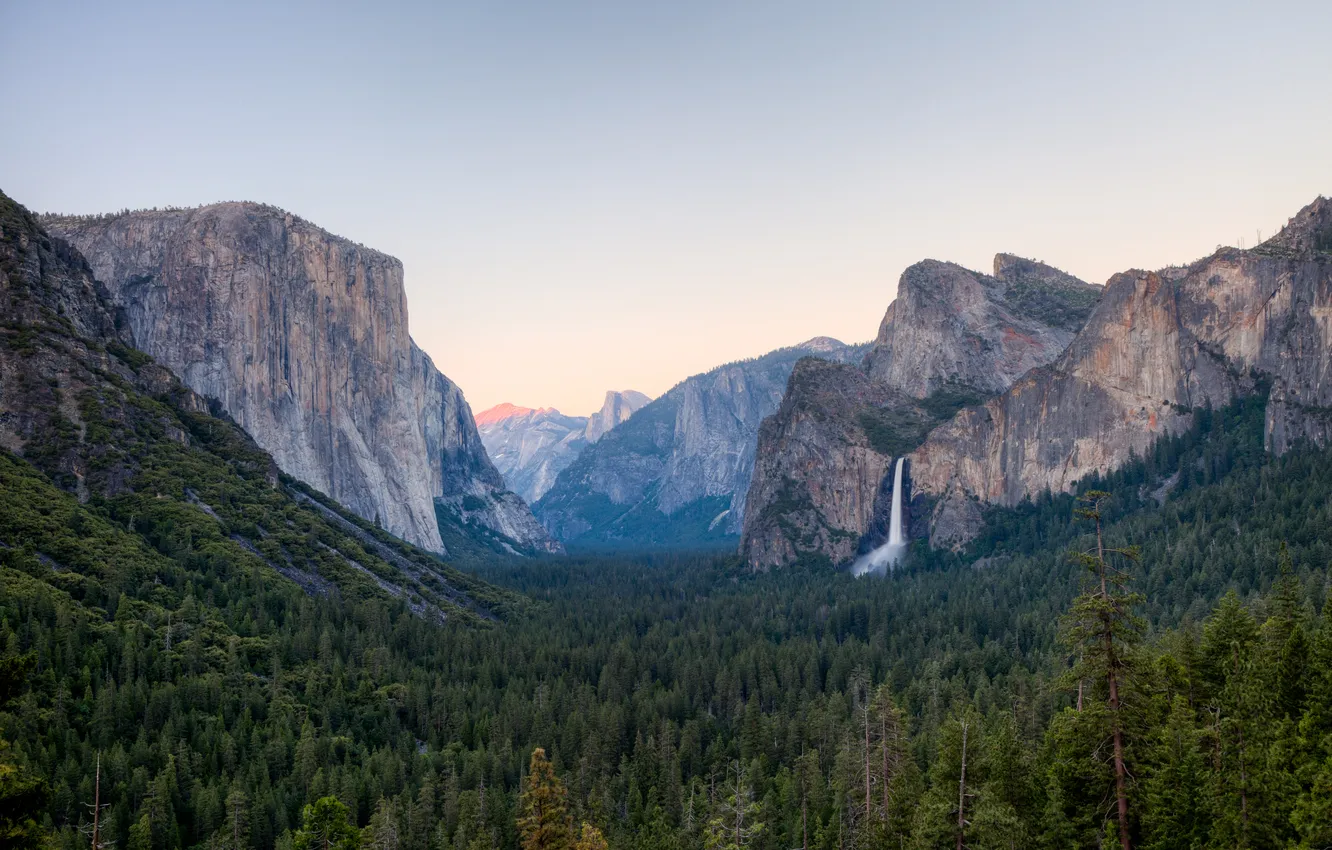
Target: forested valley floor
x,y
681,701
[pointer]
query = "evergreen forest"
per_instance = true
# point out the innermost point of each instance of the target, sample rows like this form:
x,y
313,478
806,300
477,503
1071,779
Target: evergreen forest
x,y
1147,663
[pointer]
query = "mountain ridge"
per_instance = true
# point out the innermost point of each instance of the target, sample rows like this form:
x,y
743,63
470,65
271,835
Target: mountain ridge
x,y
302,336
1159,346
677,471
531,446
950,338
113,468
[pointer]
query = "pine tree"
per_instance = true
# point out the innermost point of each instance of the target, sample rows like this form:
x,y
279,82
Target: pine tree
x,y
1237,713
590,838
1311,811
964,807
325,825
544,823
1175,792
236,829
1103,628
22,795
736,823
1255,745
808,778
382,831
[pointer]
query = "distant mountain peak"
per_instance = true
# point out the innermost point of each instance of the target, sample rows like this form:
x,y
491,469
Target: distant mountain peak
x,y
821,344
505,410
618,406
631,396
530,446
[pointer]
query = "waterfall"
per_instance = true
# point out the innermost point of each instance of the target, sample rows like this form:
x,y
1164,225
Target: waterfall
x,y
895,523
886,556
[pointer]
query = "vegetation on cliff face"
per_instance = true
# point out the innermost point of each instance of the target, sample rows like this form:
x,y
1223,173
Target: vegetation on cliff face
x,y
1064,307
896,430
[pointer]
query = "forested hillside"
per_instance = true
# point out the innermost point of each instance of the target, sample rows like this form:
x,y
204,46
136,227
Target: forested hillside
x,y
676,695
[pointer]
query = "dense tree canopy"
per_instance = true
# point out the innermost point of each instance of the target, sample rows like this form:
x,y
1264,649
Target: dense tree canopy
x,y
680,701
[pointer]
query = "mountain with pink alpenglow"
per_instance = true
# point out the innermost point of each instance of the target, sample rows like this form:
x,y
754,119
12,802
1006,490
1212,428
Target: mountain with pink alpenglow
x,y
531,446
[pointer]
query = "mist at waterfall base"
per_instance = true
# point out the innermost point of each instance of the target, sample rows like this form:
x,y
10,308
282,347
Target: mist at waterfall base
x,y
885,557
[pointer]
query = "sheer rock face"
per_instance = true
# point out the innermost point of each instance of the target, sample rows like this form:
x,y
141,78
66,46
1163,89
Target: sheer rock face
x,y
951,325
1158,345
818,474
530,447
617,408
679,468
302,337
952,336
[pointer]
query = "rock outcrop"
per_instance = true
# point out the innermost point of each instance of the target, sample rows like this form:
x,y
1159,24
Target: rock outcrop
x,y
617,408
157,467
302,337
530,447
1158,345
949,325
951,338
819,471
677,472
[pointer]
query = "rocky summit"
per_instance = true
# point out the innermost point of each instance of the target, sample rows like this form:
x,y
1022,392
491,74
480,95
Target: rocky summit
x,y
1159,346
677,472
530,447
302,337
951,338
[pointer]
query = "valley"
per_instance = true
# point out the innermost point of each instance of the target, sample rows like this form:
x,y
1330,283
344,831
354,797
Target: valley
x,y
221,653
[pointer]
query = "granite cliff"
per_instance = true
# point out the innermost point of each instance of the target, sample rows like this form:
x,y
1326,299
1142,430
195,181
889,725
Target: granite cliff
x,y
677,472
951,338
530,447
161,490
1157,346
302,337
617,408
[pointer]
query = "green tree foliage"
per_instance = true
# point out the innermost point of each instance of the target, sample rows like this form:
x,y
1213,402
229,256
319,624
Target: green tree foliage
x,y
325,826
1102,629
22,794
544,823
737,820
590,838
224,698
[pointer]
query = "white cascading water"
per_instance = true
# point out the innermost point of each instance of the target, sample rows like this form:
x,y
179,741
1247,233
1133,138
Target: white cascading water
x,y
886,556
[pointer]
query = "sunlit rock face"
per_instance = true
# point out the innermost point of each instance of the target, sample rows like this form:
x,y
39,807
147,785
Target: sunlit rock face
x,y
530,447
1158,345
303,338
952,337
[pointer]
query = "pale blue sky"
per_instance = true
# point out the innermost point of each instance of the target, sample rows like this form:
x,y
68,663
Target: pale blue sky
x,y
592,195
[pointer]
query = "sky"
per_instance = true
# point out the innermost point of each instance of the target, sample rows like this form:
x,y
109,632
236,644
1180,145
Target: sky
x,y
607,194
